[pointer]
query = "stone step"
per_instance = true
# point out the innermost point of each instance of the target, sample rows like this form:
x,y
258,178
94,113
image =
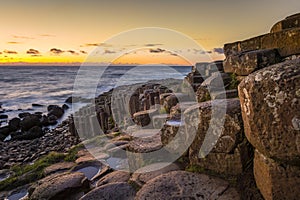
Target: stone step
x,y
245,63
159,120
143,118
289,22
217,81
173,99
144,133
175,112
287,42
227,94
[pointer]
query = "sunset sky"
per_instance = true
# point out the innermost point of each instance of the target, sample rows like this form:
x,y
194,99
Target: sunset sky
x,y
64,32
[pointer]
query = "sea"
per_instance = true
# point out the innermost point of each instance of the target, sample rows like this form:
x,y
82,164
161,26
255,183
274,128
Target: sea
x,y
22,86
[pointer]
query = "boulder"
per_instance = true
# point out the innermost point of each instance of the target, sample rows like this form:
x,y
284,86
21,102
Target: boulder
x,y
245,63
33,133
3,116
24,114
112,191
59,186
56,111
14,124
29,121
36,105
186,185
270,109
5,131
275,180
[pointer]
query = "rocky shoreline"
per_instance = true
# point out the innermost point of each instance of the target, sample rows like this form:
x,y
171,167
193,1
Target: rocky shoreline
x,y
173,139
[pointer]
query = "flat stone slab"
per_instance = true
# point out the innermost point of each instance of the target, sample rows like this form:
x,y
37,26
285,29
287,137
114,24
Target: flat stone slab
x,y
287,42
145,174
112,191
58,167
113,177
59,186
186,185
289,22
245,63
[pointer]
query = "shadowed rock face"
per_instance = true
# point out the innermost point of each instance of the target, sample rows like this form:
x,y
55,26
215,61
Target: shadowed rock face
x,y
186,185
270,109
276,181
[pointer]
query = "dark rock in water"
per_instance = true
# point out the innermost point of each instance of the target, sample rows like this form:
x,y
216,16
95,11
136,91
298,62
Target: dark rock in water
x,y
36,105
3,116
29,122
24,114
14,124
2,137
38,113
56,111
34,132
65,107
73,100
47,121
5,130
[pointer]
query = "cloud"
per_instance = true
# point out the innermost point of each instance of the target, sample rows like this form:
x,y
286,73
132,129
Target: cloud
x,y
10,52
158,50
33,52
22,37
13,42
72,52
218,50
56,51
0,52
47,35
108,51
152,45
96,45
83,52
173,54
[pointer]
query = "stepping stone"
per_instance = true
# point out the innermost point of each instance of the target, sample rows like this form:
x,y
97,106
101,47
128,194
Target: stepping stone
x,y
145,174
114,177
60,186
159,120
58,167
186,185
113,191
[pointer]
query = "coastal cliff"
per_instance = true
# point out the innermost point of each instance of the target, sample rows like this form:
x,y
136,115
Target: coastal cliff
x,y
229,130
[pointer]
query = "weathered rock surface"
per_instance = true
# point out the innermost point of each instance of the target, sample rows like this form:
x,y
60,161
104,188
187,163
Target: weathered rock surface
x,y
143,118
186,185
113,191
58,167
245,63
287,42
60,186
227,154
114,177
145,174
274,180
289,22
270,107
